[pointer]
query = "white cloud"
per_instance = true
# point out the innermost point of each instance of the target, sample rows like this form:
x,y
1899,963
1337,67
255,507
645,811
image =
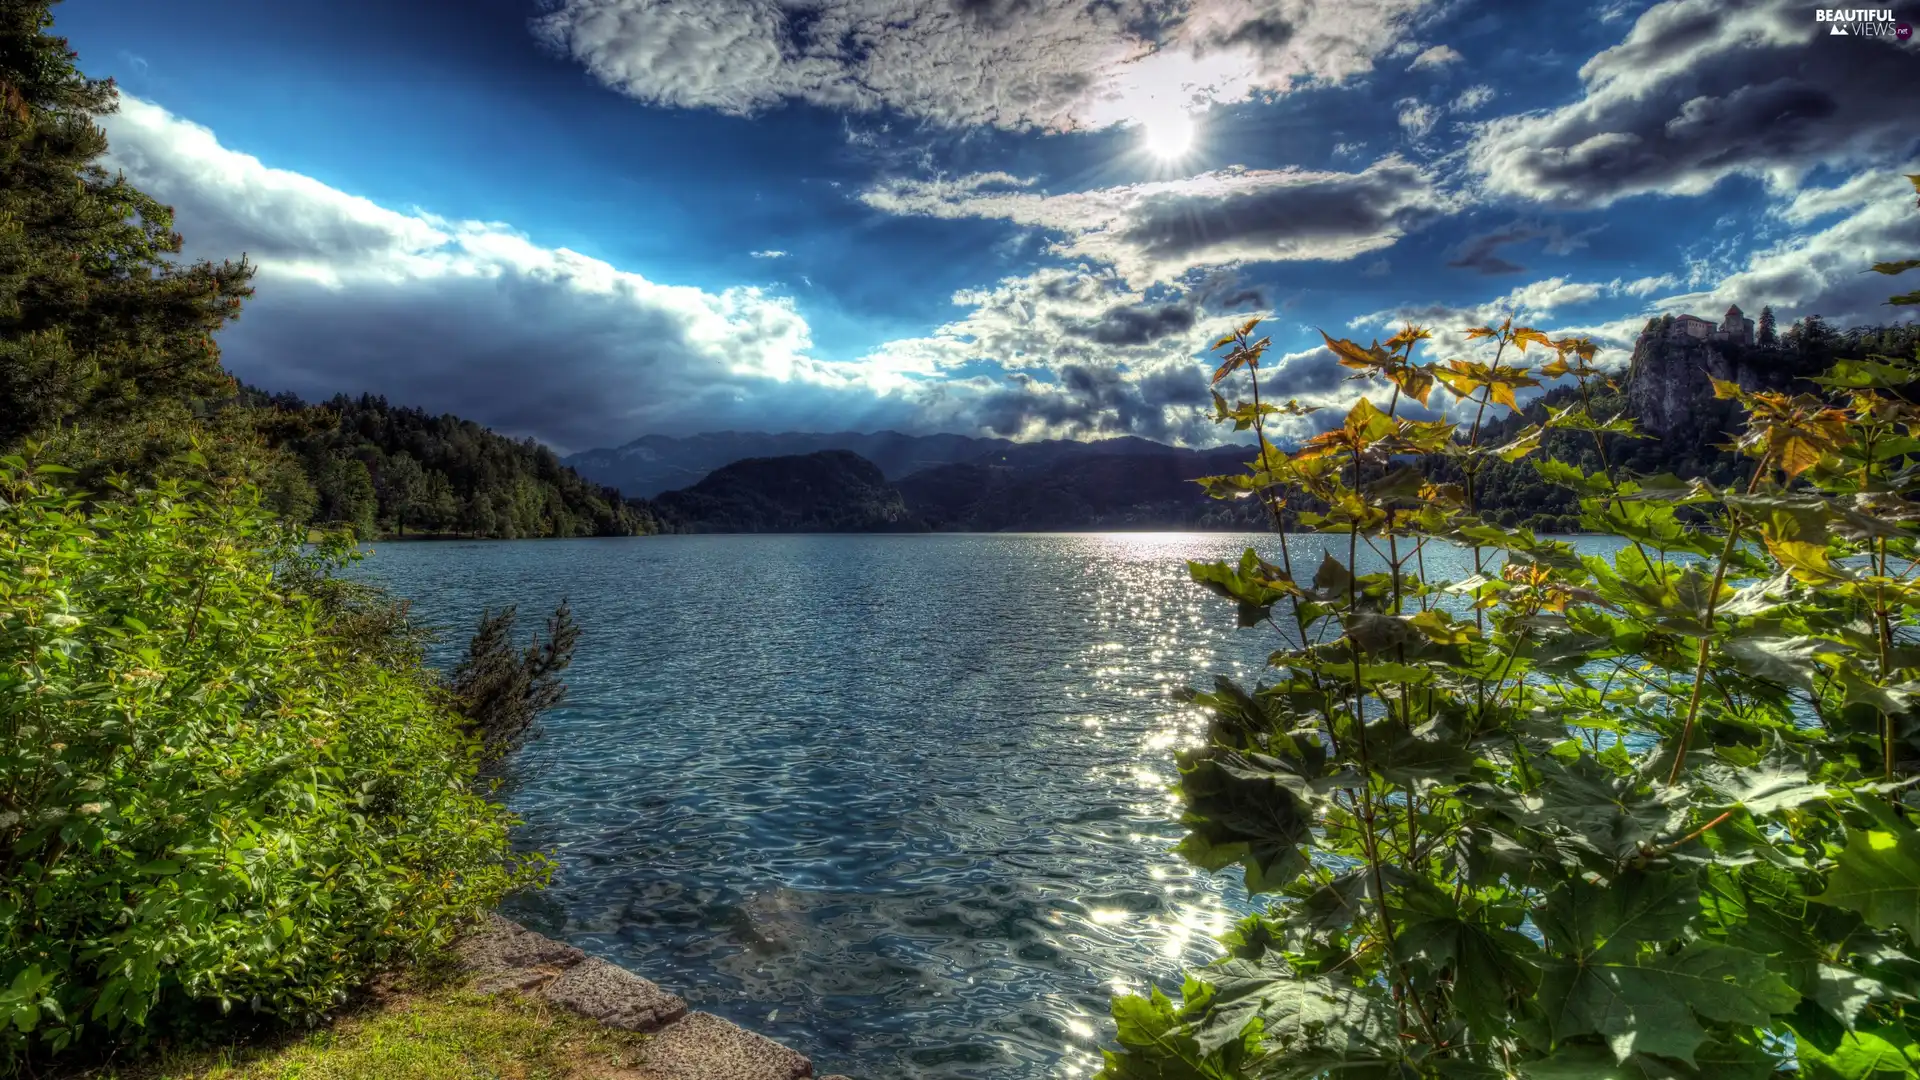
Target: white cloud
x,y
1417,117
1437,57
1472,98
473,317
480,320
1052,64
1088,355
769,253
1645,286
1533,304
1825,272
1157,231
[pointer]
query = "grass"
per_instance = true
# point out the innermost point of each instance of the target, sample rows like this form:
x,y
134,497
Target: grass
x,y
437,1034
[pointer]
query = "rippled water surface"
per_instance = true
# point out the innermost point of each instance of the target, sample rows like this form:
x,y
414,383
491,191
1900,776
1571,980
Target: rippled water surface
x,y
899,801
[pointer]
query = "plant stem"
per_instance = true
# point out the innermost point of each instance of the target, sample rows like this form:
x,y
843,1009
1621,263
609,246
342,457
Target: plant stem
x,y
1706,642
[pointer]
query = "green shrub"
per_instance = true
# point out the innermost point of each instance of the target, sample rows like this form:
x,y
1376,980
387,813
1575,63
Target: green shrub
x,y
1647,814
227,786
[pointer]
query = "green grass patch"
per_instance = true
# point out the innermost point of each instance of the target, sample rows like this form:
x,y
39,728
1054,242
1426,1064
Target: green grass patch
x,y
429,1035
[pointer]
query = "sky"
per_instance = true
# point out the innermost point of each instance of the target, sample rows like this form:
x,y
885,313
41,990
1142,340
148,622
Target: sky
x,y
584,221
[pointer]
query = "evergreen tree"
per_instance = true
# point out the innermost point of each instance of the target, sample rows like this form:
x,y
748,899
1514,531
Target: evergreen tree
x,y
500,691
403,486
347,495
97,326
1767,335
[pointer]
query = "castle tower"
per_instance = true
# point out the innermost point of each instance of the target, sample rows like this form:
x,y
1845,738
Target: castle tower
x,y
1736,327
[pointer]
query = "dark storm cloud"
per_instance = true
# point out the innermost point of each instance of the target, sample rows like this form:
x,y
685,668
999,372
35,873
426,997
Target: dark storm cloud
x,y
1159,231
1322,213
1481,253
1176,385
1701,90
1098,401
1138,325
1307,375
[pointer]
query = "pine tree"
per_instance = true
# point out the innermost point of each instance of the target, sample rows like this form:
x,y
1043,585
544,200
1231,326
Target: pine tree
x,y
97,326
1767,335
499,691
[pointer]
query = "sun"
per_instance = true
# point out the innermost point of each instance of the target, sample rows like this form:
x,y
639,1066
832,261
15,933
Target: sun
x,y
1167,135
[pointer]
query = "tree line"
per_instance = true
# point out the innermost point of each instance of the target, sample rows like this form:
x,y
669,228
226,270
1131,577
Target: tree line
x,y
401,471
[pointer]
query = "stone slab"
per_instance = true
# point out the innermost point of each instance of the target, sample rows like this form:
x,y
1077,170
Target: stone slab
x,y
614,996
704,1047
503,955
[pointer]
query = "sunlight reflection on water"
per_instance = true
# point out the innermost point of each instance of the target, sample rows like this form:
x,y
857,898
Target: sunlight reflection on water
x,y
899,801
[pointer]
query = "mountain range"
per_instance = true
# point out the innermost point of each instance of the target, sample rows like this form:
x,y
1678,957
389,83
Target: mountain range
x,y
1120,483
652,464
733,481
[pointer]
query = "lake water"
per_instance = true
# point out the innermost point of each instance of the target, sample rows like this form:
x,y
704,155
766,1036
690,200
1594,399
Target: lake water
x,y
898,801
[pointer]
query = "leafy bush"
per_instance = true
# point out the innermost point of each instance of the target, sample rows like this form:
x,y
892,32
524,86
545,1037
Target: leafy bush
x,y
1638,815
227,786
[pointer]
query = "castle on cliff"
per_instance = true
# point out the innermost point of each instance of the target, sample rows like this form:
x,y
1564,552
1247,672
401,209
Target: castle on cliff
x,y
1678,355
1736,328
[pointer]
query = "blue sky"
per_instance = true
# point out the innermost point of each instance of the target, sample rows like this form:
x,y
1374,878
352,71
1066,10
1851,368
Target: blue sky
x,y
588,220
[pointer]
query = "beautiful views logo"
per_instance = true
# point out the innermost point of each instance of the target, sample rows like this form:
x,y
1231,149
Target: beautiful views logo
x,y
1862,22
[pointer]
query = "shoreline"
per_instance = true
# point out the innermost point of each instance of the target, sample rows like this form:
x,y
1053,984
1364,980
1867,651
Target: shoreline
x,y
501,956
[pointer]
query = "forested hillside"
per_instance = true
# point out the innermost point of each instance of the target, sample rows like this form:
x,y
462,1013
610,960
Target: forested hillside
x,y
827,491
401,471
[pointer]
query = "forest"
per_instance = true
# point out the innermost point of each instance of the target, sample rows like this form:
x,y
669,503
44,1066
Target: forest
x,y
397,471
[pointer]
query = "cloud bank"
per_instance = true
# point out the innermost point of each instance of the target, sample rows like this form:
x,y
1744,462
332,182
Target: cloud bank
x,y
1702,90
1055,65
1157,231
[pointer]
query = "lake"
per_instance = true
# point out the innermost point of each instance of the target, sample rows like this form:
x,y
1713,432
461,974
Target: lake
x,y
898,801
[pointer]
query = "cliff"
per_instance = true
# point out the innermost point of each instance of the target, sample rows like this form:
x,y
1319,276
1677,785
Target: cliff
x,y
1669,378
829,491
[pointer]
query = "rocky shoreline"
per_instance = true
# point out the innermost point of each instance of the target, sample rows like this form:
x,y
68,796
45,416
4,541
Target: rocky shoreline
x,y
505,957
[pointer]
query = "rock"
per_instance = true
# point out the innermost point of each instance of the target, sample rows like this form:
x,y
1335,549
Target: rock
x,y
705,1047
614,996
503,955
1669,378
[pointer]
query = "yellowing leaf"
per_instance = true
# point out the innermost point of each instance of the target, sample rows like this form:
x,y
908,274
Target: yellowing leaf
x,y
1352,355
1367,423
1463,377
1524,335
1806,561
1416,383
